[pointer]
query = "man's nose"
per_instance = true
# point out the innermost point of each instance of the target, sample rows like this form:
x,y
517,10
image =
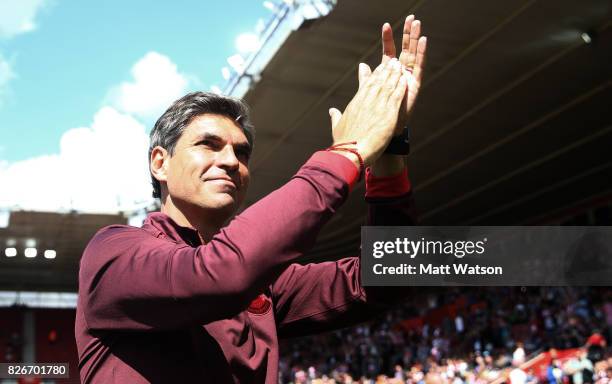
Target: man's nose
x,y
226,158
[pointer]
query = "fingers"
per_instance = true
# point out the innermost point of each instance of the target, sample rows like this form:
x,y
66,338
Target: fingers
x,y
391,73
381,84
384,82
420,59
415,33
410,38
395,72
392,81
388,45
399,92
406,32
335,115
363,73
368,80
380,74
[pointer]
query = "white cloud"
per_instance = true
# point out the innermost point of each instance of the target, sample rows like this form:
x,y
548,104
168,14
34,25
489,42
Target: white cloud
x,y
6,75
100,168
17,17
155,85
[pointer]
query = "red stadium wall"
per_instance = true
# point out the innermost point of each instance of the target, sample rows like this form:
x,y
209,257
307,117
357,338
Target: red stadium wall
x,y
11,322
55,339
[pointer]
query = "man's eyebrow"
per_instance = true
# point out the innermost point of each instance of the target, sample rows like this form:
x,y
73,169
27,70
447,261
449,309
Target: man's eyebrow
x,y
211,136
208,136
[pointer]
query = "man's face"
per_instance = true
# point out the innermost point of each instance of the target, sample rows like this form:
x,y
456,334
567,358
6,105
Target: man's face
x,y
209,167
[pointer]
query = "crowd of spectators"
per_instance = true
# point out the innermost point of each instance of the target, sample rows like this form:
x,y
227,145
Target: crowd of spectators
x,y
485,338
10,344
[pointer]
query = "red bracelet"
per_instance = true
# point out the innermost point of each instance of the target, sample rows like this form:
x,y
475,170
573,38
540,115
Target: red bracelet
x,y
338,147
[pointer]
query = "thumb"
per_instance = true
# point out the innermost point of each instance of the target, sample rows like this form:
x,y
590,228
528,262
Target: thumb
x,y
335,116
363,72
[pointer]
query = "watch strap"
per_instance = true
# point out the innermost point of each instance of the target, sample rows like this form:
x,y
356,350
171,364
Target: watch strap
x,y
399,145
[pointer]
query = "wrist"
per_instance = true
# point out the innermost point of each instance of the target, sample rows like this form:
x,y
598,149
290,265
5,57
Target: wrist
x,y
349,155
388,165
350,150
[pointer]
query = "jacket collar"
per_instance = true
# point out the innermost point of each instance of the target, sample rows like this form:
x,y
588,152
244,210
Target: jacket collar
x,y
161,224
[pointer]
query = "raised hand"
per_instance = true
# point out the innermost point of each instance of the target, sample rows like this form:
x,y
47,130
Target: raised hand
x,y
412,58
371,116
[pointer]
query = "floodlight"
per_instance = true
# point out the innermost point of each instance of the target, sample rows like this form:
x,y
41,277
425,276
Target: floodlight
x,y
225,72
247,42
236,62
50,254
586,37
30,252
270,5
10,252
260,26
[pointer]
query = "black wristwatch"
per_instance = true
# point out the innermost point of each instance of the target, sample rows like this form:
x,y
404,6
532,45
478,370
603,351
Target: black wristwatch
x,y
399,145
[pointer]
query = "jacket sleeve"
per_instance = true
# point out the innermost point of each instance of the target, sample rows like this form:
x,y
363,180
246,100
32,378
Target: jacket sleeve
x,y
323,296
390,200
130,280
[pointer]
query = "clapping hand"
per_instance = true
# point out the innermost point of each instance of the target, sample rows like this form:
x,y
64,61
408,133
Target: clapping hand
x,y
412,58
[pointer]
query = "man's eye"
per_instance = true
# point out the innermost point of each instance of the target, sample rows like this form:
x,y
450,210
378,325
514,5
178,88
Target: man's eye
x,y
243,154
207,143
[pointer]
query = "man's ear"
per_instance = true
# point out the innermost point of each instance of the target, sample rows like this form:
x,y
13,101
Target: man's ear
x,y
159,163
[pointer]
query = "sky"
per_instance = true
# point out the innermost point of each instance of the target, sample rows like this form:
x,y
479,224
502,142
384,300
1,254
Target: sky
x,y
82,83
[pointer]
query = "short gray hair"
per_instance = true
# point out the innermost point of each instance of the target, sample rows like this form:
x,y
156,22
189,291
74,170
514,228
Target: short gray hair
x,y
170,126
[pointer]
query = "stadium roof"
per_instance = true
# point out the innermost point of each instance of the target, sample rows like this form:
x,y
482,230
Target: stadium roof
x,y
513,124
65,233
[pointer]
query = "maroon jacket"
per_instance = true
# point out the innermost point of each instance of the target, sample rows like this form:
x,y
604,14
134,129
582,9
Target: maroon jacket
x,y
157,306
